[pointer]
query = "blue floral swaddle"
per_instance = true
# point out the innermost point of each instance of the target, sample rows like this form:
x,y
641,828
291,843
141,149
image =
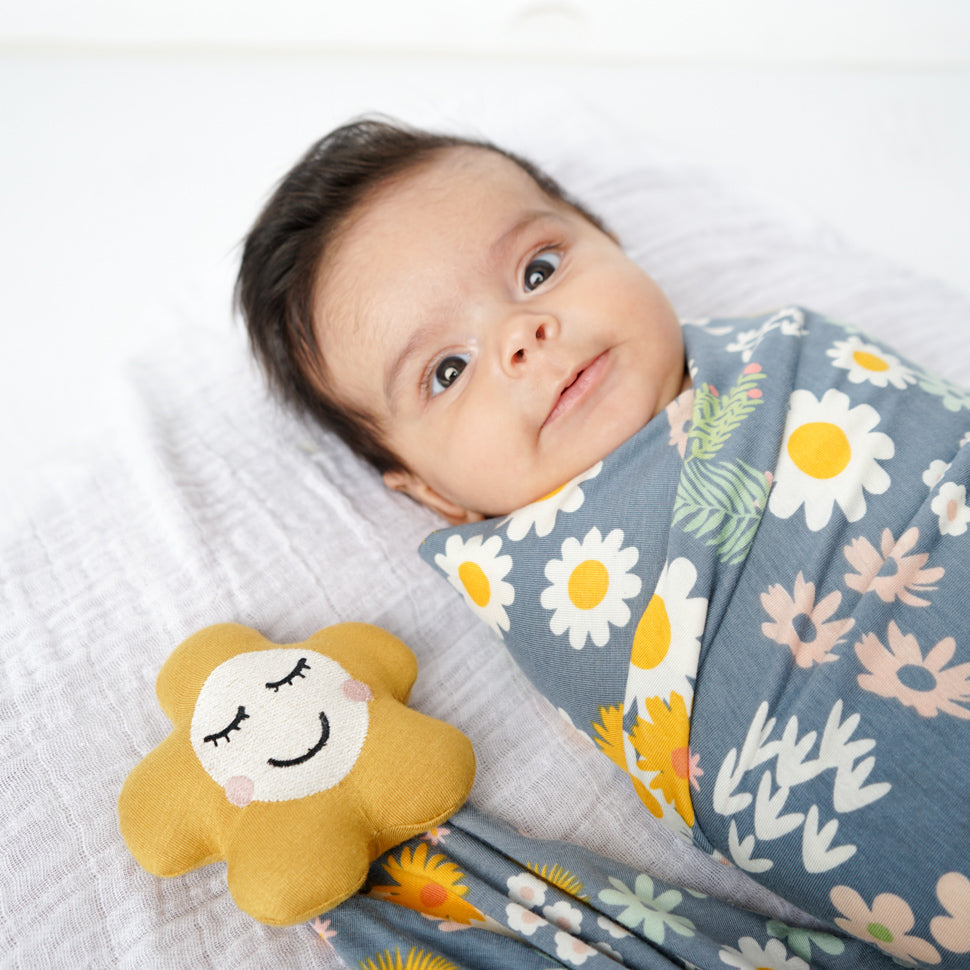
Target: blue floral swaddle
x,y
756,607
474,894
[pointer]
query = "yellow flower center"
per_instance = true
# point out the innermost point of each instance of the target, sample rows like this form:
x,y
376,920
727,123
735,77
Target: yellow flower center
x,y
820,449
869,361
475,581
588,584
553,493
652,639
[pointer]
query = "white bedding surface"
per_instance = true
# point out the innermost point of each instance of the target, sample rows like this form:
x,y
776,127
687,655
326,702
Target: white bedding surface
x,y
206,503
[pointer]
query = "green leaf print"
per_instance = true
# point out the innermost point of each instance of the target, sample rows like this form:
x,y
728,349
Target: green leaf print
x,y
723,501
720,501
716,416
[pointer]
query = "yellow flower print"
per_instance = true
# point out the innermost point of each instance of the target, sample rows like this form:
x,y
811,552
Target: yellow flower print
x,y
428,885
667,642
478,572
610,736
560,878
589,586
611,739
541,514
662,746
869,364
415,960
829,456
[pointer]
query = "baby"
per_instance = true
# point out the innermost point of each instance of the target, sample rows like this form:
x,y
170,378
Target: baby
x,y
747,586
455,317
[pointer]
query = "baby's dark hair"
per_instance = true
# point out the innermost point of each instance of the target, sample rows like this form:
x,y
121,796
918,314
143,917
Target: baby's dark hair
x,y
284,250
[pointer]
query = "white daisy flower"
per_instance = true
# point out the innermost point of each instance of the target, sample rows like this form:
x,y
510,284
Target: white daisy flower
x,y
572,949
523,920
564,916
829,455
934,474
609,951
773,956
950,504
965,440
667,642
541,514
478,572
588,587
867,363
615,930
526,889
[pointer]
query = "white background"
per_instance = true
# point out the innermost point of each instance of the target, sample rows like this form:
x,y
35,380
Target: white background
x,y
139,139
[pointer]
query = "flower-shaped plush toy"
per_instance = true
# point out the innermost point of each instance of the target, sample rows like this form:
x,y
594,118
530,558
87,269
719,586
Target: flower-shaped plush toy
x,y
298,764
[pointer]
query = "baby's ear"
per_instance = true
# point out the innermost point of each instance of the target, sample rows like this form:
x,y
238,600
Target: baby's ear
x,y
416,488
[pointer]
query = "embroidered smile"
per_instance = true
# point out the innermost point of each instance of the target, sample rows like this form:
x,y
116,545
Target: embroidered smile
x,y
324,738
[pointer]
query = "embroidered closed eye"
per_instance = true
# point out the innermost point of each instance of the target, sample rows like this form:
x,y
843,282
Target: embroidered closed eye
x,y
241,716
297,671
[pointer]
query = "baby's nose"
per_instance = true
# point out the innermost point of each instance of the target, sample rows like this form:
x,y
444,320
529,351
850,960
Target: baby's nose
x,y
525,337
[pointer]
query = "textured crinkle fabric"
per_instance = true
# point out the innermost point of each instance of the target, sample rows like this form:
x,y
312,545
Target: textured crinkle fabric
x,y
756,606
203,503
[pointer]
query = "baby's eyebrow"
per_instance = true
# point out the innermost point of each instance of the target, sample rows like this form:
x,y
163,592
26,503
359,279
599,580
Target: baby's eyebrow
x,y
520,226
397,365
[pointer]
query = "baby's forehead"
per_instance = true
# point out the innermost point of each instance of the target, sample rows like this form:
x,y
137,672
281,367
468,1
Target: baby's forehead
x,y
459,197
449,178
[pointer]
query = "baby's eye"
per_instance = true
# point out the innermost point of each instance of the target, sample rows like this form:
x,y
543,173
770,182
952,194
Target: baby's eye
x,y
540,269
297,671
447,371
241,716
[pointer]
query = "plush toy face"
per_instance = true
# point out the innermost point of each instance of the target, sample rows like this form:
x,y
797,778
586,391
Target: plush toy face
x,y
274,725
298,764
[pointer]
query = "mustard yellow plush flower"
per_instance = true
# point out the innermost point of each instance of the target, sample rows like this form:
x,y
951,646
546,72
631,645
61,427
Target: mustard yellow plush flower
x,y
297,764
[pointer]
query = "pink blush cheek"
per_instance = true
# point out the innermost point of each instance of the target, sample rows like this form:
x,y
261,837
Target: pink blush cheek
x,y
239,790
356,690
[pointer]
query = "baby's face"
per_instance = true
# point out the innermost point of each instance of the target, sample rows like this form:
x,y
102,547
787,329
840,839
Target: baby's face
x,y
503,343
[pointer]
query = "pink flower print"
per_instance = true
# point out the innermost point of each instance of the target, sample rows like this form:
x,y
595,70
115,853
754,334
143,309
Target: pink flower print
x,y
886,924
803,625
436,835
952,931
323,929
901,671
679,413
908,576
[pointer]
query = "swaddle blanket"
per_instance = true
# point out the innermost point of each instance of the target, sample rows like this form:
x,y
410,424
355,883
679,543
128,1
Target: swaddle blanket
x,y
757,606
535,904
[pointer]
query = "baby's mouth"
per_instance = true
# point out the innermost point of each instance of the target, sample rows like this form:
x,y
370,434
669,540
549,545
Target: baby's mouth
x,y
576,389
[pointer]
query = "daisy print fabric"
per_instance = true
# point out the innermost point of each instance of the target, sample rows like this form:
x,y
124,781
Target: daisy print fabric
x,y
474,894
756,607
